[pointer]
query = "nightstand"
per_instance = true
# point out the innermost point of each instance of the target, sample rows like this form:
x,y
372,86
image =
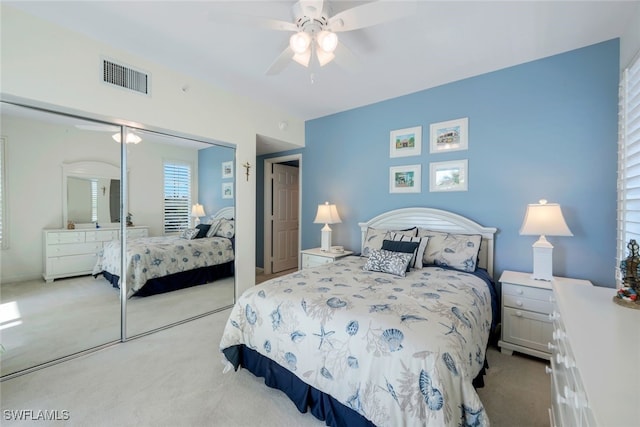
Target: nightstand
x,y
527,305
314,257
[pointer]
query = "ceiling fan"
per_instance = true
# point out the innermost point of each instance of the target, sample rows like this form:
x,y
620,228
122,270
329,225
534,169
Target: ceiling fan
x,y
315,30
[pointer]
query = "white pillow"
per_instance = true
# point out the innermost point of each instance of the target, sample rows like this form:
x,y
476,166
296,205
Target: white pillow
x,y
375,236
416,261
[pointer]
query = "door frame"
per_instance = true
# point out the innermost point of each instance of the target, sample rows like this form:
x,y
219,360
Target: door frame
x,y
268,201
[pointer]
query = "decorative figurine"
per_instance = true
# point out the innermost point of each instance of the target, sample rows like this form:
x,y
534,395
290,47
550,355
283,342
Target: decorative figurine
x,y
628,295
71,225
129,217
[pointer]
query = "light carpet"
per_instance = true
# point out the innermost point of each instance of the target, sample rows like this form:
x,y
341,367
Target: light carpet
x,y
174,378
75,314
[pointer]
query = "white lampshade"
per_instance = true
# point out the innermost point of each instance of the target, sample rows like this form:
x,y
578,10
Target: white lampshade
x,y
544,219
197,211
327,214
132,138
327,41
299,42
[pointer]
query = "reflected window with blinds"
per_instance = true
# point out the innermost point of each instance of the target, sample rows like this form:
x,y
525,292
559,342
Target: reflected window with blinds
x,y
628,161
177,196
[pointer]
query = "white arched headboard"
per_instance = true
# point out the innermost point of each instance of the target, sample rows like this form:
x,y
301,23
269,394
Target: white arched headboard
x,y
437,220
228,213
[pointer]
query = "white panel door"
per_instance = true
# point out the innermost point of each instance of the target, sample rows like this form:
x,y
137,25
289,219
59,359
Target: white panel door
x,y
285,218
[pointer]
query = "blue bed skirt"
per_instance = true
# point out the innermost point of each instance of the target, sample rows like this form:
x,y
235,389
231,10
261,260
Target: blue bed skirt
x,y
305,397
172,282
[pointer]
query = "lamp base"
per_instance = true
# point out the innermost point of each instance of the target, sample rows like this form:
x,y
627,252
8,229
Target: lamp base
x,y
542,260
325,240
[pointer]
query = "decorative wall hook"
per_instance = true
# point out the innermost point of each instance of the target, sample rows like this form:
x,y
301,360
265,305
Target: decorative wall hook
x,y
247,166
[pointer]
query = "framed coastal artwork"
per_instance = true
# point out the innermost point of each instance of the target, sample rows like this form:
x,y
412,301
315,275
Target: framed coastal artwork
x,y
405,142
452,135
405,179
448,176
227,169
227,190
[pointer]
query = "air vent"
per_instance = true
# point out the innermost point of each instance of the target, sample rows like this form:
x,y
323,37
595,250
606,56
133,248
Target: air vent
x,y
124,77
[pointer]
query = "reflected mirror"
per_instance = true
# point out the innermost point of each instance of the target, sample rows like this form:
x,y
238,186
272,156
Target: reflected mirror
x,y
54,298
52,307
185,277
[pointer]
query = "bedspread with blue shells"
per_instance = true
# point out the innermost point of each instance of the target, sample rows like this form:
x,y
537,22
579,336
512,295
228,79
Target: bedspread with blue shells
x,y
398,350
153,257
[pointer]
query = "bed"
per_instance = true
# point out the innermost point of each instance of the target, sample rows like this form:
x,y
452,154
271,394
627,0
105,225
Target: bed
x,y
163,264
362,341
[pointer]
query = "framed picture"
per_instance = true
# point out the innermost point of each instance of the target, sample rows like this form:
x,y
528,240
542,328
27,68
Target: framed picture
x,y
449,136
405,142
405,179
227,169
448,176
227,190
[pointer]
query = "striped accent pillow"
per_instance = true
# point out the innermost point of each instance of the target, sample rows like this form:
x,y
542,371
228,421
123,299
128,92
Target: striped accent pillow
x,y
416,260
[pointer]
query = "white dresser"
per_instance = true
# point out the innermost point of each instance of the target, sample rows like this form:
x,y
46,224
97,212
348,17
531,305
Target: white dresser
x,y
526,305
595,355
69,253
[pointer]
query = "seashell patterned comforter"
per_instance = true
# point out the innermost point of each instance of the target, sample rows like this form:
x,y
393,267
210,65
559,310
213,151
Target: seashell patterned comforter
x,y
398,350
152,257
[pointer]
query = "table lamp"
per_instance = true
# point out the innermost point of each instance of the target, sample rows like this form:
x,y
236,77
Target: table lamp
x,y
327,214
197,211
544,219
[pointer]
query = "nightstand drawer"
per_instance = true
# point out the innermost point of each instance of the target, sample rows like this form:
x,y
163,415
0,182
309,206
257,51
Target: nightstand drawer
x,y
309,261
527,329
526,291
523,303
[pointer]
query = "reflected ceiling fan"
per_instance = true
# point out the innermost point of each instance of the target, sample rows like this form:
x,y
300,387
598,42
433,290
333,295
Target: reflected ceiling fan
x,y
131,138
315,30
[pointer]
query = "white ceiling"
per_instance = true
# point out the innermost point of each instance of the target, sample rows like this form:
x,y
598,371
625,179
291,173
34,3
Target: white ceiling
x,y
441,42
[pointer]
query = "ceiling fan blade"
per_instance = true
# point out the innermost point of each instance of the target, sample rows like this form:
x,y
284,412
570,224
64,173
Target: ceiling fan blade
x,y
281,62
370,14
346,59
252,21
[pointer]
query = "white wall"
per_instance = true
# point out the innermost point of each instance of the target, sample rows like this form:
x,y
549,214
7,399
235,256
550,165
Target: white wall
x,y
49,65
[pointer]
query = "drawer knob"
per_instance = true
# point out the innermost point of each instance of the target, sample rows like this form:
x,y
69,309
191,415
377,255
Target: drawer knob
x,y
518,313
558,335
548,370
520,292
551,347
554,315
519,303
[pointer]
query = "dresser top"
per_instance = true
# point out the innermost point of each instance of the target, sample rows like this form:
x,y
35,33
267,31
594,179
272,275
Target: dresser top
x,y
60,230
605,340
525,279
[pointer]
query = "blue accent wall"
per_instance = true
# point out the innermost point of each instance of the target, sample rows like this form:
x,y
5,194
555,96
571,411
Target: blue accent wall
x,y
210,178
543,129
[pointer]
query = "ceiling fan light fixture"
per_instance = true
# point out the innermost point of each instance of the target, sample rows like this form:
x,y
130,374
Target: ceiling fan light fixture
x,y
324,57
303,58
132,138
299,42
328,41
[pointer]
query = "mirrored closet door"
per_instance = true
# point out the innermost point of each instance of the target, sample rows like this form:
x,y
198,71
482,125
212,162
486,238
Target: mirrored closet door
x,y
65,201
51,306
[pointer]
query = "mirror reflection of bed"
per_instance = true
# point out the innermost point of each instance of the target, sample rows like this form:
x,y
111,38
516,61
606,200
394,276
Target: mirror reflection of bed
x,y
51,313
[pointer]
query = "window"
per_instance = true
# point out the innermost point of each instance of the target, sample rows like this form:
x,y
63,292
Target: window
x,y
4,243
94,200
177,196
629,160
